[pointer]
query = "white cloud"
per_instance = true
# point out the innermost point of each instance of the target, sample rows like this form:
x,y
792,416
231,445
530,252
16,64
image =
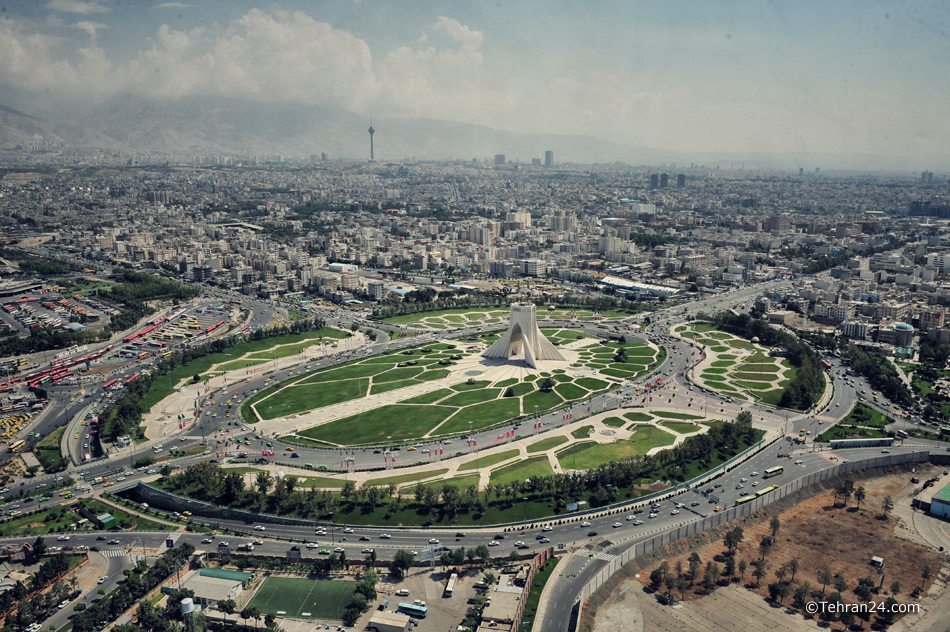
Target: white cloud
x,y
77,6
174,5
92,28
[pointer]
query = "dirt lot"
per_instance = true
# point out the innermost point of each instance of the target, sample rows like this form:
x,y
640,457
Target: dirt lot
x,y
819,534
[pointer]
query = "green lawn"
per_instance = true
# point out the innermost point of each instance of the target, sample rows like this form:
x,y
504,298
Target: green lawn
x,y
680,427
591,384
546,444
472,397
488,460
582,432
539,401
297,399
323,599
429,398
401,421
614,422
529,468
638,417
481,416
666,414
405,478
459,482
570,391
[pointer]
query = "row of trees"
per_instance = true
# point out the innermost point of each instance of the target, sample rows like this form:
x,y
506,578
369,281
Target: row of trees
x,y
35,603
807,386
879,372
125,415
599,486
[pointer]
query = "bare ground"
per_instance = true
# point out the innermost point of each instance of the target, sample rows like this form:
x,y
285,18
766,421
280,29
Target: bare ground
x,y
816,532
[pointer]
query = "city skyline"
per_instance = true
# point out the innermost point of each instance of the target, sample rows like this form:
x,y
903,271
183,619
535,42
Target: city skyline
x,y
854,79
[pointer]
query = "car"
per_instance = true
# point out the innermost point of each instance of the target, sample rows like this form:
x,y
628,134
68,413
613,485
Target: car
x,y
94,548
500,536
323,552
103,579
206,541
493,543
259,528
695,503
717,485
312,545
654,515
364,538
591,534
718,508
547,528
544,540
367,550
637,522
347,530
743,479
617,524
740,486
63,604
62,538
102,538
385,536
459,534
585,524
339,549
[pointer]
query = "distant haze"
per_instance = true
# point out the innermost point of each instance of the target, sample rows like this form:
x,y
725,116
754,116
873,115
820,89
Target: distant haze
x,y
851,83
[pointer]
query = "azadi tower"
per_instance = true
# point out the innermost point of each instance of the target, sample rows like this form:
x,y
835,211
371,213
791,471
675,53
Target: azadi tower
x,y
524,336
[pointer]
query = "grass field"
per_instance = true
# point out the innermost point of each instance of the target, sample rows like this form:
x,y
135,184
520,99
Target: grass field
x,y
322,599
532,467
399,421
681,427
667,414
582,432
488,460
546,444
405,478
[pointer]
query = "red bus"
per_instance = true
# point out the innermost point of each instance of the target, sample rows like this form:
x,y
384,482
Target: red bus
x,y
132,379
109,384
826,364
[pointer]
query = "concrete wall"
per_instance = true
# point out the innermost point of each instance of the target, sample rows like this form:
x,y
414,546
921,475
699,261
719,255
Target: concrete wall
x,y
692,528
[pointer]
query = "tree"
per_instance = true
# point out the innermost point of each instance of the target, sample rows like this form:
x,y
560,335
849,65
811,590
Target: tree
x,y
658,576
924,575
774,525
824,576
547,385
793,567
765,547
694,565
227,606
712,575
779,591
887,504
801,595
195,378
509,392
840,583
895,588
263,482
859,495
759,571
401,562
730,569
742,567
39,547
733,538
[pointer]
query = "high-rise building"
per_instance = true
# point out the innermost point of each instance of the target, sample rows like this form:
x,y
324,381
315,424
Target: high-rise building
x,y
549,158
654,180
499,159
664,180
681,179
778,223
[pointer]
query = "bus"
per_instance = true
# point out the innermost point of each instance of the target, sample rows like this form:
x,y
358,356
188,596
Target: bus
x,y
131,379
743,500
412,610
450,585
167,354
143,355
826,364
16,446
773,471
901,434
109,384
766,490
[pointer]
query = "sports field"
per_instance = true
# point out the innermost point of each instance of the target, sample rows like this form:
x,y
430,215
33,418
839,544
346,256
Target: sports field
x,y
322,599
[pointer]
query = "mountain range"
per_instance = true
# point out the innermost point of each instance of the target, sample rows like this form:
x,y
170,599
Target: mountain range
x,y
202,126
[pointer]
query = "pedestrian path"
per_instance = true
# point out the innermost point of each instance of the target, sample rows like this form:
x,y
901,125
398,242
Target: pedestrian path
x,y
606,557
114,553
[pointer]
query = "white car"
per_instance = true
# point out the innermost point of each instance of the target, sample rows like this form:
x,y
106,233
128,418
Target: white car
x,y
755,473
347,530
312,545
585,524
63,604
547,528
798,462
617,524
206,541
675,511
630,518
259,528
433,540
62,538
103,579
755,483
385,536
743,479
493,543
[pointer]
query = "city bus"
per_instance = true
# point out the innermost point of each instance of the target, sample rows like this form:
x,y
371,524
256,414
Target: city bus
x,y
766,490
826,364
745,499
167,354
773,471
412,610
450,585
109,384
901,434
16,446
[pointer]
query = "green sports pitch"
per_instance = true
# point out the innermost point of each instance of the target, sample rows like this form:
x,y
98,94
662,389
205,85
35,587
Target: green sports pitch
x,y
322,599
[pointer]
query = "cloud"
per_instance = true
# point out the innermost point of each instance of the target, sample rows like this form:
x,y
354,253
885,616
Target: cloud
x,y
174,5
92,28
77,6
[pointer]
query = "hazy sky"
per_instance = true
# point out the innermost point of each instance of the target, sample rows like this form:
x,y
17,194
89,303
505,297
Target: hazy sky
x,y
858,77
